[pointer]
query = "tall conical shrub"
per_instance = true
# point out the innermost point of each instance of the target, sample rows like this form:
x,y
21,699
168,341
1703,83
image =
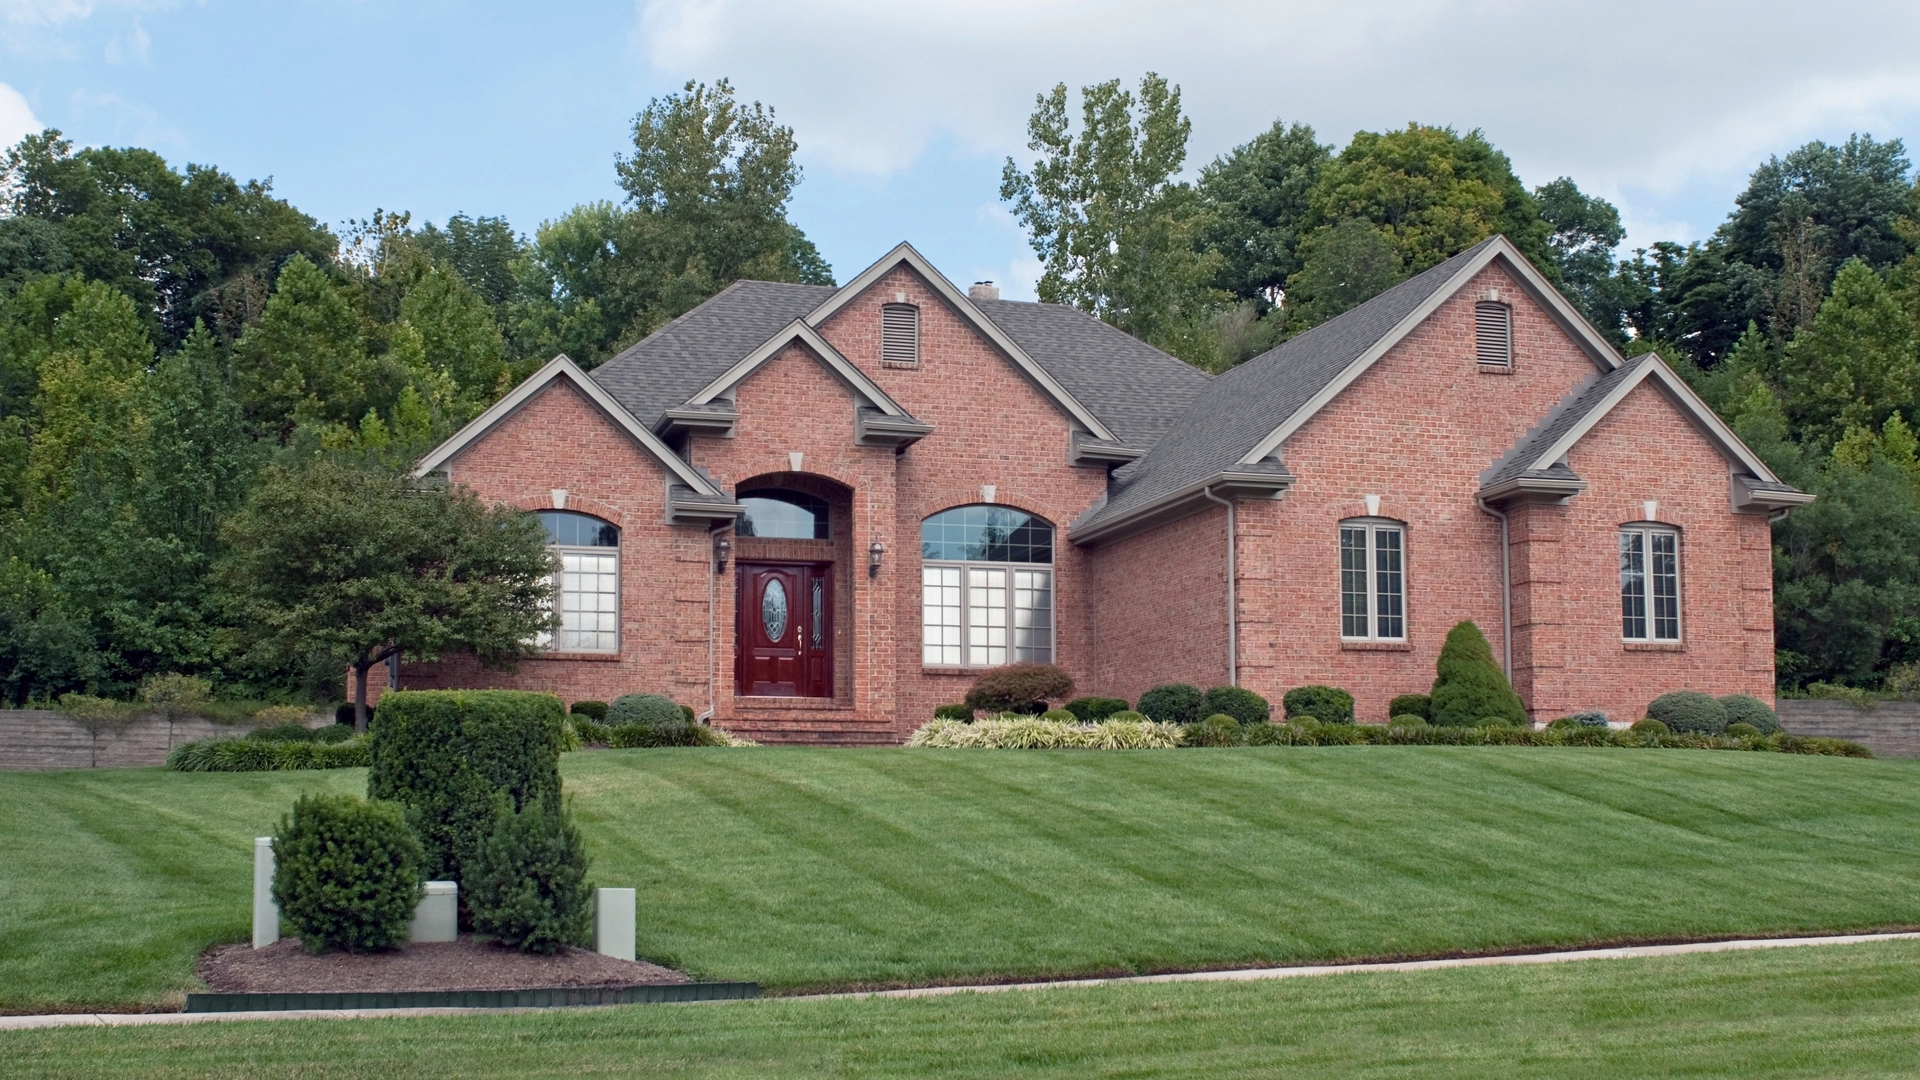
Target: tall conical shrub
x,y
1470,690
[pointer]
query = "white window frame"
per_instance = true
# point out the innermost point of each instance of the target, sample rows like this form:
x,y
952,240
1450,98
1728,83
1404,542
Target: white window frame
x,y
1649,594
1377,621
975,631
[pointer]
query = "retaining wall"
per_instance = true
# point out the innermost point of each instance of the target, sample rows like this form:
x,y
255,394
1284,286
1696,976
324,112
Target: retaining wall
x,y
42,739
1889,729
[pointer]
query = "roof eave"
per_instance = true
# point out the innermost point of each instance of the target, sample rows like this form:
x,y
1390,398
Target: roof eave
x,y
1749,499
684,507
1100,452
1532,489
1190,500
873,428
696,421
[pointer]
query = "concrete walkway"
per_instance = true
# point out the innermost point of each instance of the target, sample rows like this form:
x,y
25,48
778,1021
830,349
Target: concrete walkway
x,y
1631,952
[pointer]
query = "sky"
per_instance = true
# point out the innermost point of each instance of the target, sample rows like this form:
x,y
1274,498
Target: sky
x,y
905,111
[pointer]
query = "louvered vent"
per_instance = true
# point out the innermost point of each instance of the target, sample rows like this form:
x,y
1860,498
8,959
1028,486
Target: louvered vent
x,y
1493,332
900,335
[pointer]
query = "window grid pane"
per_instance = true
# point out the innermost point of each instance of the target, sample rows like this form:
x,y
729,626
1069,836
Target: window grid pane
x,y
1033,616
1353,583
1388,597
986,534
986,617
588,591
940,633
1665,571
1633,585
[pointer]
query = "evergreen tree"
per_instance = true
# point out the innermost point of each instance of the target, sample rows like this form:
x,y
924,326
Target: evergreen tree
x,y
1469,689
1856,364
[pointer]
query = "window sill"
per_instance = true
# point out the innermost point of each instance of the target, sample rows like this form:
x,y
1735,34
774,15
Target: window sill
x,y
590,657
1654,646
1495,369
931,669
900,365
1375,646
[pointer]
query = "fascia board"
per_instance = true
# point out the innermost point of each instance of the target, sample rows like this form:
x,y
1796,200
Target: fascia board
x,y
1174,505
987,328
1602,352
841,368
1676,390
562,367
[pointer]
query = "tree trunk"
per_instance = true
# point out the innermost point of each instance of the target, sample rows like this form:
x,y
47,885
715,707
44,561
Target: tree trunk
x,y
360,669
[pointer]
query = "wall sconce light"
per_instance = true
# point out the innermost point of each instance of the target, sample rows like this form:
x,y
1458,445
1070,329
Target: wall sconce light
x,y
722,547
874,552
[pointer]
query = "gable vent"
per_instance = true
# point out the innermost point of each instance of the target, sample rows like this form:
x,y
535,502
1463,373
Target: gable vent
x,y
1493,333
900,335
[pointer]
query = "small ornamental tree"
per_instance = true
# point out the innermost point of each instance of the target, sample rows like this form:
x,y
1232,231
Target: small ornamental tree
x,y
1469,689
1019,686
354,565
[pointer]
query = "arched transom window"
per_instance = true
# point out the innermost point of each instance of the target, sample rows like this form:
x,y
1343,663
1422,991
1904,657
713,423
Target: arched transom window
x,y
586,590
776,512
986,587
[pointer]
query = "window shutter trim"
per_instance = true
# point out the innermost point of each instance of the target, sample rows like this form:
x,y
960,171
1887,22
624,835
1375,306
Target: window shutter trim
x,y
1493,333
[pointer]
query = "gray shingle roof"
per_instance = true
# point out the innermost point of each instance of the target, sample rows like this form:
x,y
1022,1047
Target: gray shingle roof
x,y
1235,411
1133,388
1564,417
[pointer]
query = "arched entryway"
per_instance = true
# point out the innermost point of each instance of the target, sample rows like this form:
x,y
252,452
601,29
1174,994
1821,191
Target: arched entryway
x,y
791,591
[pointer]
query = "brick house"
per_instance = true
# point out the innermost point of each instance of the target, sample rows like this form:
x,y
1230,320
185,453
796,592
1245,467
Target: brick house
x,y
816,513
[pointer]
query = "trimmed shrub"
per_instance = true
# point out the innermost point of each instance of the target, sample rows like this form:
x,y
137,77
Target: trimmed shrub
x,y
1238,702
456,758
1327,704
1469,689
1586,719
1742,730
527,883
1090,709
962,713
1060,716
260,755
1128,716
1019,687
1216,730
1408,720
1420,705
1690,711
1751,711
1172,703
1265,734
346,873
686,711
283,733
1649,726
595,711
648,720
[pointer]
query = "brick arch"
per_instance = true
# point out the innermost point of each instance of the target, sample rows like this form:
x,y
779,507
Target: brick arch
x,y
583,504
948,498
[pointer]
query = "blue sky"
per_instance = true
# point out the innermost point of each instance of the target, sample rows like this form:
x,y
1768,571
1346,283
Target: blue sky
x,y
905,111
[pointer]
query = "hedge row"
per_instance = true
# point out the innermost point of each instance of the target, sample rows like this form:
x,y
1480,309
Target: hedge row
x,y
263,755
648,736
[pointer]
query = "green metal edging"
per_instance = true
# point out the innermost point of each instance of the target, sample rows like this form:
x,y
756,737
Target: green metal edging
x,y
544,998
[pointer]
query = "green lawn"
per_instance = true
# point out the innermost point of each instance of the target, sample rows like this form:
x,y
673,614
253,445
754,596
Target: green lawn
x,y
803,868
1830,1011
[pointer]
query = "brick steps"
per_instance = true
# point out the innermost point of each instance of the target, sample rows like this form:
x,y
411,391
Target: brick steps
x,y
794,731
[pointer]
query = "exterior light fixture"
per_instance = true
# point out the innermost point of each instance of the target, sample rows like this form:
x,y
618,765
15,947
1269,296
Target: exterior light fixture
x,y
874,552
722,547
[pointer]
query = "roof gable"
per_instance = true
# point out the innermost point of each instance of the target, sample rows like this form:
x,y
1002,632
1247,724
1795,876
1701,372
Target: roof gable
x,y
798,332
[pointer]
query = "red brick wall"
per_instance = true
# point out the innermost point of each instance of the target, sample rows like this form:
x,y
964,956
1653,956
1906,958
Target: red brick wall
x,y
1568,653
1162,602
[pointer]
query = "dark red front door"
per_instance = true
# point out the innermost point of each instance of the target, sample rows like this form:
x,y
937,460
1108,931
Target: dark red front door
x,y
783,629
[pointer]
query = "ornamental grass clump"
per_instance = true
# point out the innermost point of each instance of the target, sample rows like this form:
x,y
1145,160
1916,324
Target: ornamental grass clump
x,y
269,755
346,873
1469,689
1022,688
1122,731
1172,703
527,883
1690,711
1327,704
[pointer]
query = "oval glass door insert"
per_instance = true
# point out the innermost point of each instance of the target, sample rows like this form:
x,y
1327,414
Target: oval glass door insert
x,y
773,610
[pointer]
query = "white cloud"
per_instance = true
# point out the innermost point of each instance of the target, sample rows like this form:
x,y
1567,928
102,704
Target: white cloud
x,y
44,12
1637,98
16,117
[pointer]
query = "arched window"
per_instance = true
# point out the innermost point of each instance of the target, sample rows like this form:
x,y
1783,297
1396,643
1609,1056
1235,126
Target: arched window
x,y
986,587
1373,580
586,590
792,515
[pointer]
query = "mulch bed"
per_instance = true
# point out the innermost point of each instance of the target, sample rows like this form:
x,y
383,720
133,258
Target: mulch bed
x,y
467,964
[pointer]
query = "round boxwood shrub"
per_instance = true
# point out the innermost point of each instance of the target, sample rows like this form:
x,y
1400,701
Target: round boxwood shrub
x,y
1408,720
1751,711
346,873
1128,716
643,709
1019,688
1327,704
595,711
1649,726
527,885
1172,703
1689,711
1216,730
1420,705
1743,730
1469,689
1060,716
1090,709
1238,702
953,712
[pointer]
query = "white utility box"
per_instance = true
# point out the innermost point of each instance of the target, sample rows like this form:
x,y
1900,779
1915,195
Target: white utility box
x,y
438,916
613,911
266,914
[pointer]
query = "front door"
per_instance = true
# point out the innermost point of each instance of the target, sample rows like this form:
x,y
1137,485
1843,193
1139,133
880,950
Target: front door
x,y
783,630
